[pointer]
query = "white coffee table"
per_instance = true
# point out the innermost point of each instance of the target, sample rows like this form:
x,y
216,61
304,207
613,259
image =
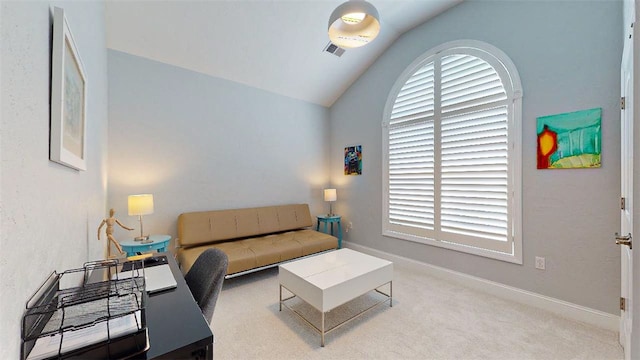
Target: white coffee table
x,y
331,279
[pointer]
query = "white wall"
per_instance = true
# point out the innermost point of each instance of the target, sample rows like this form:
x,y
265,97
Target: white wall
x,y
49,213
201,143
568,56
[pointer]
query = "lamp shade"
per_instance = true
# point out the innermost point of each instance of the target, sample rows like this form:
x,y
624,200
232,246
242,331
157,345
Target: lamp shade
x,y
354,24
330,195
140,204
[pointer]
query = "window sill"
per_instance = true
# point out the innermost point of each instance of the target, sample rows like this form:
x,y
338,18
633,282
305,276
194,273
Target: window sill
x,y
515,258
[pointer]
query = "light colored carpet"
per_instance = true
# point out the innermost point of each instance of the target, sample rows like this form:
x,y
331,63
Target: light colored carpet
x,y
430,319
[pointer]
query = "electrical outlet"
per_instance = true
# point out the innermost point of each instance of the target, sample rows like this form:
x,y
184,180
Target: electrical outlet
x,y
540,263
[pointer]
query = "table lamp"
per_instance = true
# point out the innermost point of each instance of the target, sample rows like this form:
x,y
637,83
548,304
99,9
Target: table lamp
x,y
330,195
141,205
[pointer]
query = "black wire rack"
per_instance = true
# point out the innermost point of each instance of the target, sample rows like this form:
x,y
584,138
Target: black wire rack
x,y
70,317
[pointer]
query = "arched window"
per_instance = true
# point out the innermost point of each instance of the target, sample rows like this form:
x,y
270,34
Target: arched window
x,y
452,152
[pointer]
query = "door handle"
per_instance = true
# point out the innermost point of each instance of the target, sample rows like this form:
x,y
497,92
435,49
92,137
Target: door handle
x,y
624,240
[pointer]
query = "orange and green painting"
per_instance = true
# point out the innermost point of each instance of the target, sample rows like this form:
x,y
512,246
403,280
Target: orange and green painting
x,y
570,140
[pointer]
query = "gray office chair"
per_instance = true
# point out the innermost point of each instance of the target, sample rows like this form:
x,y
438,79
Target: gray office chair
x,y
205,279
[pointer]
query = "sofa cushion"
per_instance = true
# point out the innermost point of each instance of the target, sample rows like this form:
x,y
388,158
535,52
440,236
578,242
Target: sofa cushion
x,y
268,218
204,227
250,253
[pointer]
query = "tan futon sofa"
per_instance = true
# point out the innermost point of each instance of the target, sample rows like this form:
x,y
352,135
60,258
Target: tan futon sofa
x,y
252,238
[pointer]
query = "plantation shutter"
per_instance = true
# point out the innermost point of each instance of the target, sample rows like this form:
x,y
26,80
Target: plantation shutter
x,y
411,155
448,155
475,147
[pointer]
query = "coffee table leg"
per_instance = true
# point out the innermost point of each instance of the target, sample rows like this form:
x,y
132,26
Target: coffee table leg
x,y
390,294
322,342
280,297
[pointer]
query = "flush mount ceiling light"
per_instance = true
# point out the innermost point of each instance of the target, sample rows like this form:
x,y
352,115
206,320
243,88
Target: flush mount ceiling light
x,y
354,24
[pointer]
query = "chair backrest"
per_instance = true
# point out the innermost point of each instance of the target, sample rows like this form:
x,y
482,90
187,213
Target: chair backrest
x,y
205,279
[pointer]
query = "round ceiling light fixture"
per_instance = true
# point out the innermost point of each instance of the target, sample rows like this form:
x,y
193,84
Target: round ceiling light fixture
x,y
354,24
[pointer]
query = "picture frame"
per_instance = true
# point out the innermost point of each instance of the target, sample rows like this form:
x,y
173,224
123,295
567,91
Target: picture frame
x,y
571,140
353,160
67,143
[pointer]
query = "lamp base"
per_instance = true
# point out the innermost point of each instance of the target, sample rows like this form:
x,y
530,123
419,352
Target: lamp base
x,y
142,238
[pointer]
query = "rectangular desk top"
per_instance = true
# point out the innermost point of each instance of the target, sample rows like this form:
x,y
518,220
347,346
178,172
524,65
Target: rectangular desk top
x,y
174,321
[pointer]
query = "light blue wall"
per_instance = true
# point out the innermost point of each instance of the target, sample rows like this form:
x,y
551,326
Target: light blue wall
x,y
568,56
202,143
49,213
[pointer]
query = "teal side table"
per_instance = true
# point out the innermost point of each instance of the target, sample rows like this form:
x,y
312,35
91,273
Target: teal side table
x,y
160,243
326,220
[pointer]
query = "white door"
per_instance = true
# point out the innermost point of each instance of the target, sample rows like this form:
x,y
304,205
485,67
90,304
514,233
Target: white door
x,y
624,237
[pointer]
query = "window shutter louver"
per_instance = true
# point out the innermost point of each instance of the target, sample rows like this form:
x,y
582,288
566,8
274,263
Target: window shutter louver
x,y
411,168
411,155
416,98
448,155
474,142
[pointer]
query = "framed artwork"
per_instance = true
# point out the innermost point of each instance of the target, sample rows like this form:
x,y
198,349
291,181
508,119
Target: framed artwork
x,y
67,143
570,140
353,160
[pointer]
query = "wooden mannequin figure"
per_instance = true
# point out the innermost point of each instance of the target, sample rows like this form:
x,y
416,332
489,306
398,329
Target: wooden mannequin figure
x,y
110,221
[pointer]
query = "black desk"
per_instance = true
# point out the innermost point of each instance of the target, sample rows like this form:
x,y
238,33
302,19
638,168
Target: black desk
x,y
177,329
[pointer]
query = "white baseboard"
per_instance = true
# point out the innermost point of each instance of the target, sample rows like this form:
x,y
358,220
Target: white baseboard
x,y
559,307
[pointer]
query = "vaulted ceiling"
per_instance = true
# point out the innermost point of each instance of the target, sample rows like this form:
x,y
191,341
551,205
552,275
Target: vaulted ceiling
x,y
274,45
